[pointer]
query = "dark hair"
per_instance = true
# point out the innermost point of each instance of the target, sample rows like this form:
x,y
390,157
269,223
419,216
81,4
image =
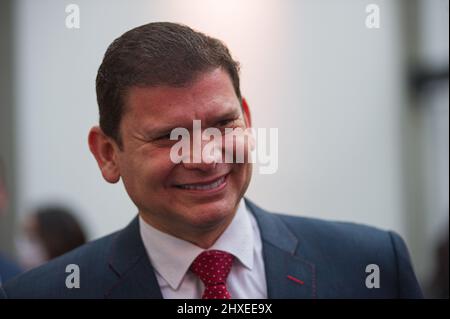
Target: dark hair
x,y
160,53
59,230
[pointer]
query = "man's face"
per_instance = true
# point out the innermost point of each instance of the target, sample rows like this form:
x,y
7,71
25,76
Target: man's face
x,y
167,194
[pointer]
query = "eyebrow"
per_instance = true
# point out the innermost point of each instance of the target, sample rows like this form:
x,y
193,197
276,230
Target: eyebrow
x,y
164,130
226,115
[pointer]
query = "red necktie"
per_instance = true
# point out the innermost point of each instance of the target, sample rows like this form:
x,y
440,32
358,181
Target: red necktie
x,y
213,267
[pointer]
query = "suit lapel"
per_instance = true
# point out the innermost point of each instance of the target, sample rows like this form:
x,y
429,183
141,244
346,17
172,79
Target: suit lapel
x,y
129,261
288,274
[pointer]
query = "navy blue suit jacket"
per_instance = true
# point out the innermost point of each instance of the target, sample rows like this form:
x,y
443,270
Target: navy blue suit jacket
x,y
8,269
304,258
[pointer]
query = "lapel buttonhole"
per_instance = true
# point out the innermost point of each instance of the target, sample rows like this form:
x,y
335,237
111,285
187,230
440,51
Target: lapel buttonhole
x,y
301,282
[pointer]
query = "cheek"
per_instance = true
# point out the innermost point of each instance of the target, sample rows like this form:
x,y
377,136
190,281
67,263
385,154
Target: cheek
x,y
148,170
240,179
238,146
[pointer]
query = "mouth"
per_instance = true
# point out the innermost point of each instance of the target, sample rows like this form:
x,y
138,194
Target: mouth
x,y
209,186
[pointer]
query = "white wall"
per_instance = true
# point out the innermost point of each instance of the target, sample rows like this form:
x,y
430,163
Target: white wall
x,y
310,68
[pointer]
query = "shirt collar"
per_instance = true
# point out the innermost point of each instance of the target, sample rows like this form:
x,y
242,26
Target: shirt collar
x,y
171,256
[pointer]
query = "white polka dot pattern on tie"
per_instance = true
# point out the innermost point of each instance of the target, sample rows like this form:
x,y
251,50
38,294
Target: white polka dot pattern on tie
x,y
213,267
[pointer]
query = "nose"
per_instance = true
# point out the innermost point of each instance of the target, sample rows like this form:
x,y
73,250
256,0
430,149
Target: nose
x,y
202,166
203,157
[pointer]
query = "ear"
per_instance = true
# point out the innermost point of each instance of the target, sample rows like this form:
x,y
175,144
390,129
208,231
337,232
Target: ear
x,y
105,152
246,110
248,122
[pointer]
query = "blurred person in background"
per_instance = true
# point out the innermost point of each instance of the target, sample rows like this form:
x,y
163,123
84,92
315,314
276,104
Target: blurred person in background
x,y
440,281
48,233
8,268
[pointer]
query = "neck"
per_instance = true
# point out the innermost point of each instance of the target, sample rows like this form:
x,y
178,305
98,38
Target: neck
x,y
203,237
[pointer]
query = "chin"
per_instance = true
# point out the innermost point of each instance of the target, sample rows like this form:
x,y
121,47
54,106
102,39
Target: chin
x,y
210,214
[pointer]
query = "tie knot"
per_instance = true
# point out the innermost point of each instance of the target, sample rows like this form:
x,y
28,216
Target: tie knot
x,y
212,267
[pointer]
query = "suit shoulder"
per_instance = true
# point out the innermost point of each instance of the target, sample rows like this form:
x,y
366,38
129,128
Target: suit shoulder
x,y
341,252
342,236
314,226
49,279
333,228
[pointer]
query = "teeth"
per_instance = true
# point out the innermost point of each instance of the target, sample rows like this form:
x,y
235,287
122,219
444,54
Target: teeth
x,y
204,187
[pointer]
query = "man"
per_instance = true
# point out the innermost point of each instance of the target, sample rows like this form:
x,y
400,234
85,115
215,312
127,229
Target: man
x,y
195,235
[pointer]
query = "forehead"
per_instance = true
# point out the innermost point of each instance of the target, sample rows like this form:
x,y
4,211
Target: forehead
x,y
210,95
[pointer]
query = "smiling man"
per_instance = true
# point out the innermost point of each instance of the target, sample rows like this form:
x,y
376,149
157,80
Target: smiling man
x,y
195,235
192,200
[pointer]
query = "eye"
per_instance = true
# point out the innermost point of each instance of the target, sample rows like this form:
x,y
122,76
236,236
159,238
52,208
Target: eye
x,y
163,137
225,122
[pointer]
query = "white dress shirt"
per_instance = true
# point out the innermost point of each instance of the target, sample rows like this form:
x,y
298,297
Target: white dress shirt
x,y
171,258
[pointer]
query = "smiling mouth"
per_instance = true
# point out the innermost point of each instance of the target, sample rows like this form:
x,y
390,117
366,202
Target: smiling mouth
x,y
213,185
